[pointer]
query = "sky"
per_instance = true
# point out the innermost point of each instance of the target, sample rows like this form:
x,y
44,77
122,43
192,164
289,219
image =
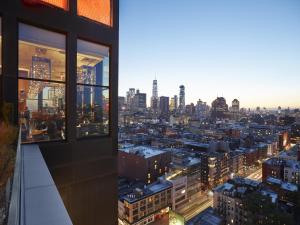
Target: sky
x,y
244,49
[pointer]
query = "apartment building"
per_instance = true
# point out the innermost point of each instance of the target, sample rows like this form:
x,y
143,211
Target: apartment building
x,y
142,163
145,205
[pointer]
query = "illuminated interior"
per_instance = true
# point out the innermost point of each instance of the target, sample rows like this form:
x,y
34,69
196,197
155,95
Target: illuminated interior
x,y
58,3
41,85
97,10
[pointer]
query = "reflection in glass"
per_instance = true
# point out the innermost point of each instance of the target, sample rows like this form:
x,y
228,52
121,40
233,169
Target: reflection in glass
x,y
92,89
92,111
97,10
41,110
41,84
92,63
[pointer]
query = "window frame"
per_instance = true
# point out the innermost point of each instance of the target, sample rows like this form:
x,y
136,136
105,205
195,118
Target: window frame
x,y
95,85
64,82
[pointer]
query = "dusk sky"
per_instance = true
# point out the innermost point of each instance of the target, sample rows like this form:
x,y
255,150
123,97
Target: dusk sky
x,y
245,49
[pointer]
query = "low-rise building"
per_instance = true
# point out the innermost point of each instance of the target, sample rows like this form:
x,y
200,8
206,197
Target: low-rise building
x,y
144,164
145,205
228,199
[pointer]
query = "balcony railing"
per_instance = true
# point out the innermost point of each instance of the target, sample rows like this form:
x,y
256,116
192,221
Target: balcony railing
x,y
34,197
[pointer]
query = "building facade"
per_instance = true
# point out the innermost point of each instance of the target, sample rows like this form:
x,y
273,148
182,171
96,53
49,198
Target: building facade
x,y
144,164
145,205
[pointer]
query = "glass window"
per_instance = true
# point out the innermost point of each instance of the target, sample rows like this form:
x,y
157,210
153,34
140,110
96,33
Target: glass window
x,y
41,86
92,89
58,3
97,10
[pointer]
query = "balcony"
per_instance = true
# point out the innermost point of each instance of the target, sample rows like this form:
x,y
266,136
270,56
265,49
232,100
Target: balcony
x,y
34,198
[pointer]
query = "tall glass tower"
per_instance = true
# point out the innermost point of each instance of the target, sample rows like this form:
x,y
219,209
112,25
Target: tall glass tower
x,y
154,98
181,98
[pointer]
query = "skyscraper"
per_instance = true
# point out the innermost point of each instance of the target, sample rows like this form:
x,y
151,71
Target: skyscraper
x,y
174,103
129,98
164,105
154,98
235,106
139,101
181,98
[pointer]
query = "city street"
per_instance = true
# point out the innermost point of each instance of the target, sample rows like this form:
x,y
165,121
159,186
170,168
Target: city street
x,y
197,208
257,175
201,204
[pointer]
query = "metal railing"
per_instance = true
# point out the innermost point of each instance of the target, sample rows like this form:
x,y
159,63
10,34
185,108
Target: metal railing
x,y
14,214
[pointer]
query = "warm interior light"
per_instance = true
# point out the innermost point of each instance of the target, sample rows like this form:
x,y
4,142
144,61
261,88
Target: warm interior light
x,y
98,10
59,3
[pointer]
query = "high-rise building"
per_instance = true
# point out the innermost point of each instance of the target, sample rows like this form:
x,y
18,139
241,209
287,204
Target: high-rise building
x,y
121,103
130,98
181,98
219,108
201,109
174,103
59,75
235,106
164,105
154,97
139,101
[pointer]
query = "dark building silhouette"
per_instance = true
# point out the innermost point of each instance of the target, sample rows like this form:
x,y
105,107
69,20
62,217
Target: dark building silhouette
x,y
219,108
164,105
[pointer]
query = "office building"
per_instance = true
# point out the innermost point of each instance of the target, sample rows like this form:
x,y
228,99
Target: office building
x,y
181,98
140,101
235,106
130,98
219,108
174,104
59,77
164,106
154,97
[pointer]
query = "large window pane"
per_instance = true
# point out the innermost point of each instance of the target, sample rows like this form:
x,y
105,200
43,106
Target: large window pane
x,y
41,54
92,111
41,110
41,84
98,10
92,63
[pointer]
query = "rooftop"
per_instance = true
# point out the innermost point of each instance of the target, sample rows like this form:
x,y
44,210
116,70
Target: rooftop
x,y
145,152
141,193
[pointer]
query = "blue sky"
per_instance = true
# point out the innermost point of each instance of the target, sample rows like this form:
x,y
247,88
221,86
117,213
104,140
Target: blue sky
x,y
245,49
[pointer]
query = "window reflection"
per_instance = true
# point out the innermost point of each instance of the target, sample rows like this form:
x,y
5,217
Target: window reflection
x,y
41,84
92,111
92,89
97,10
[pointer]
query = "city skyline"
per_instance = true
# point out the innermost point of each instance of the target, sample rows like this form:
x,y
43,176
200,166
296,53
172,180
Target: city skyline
x,y
249,51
